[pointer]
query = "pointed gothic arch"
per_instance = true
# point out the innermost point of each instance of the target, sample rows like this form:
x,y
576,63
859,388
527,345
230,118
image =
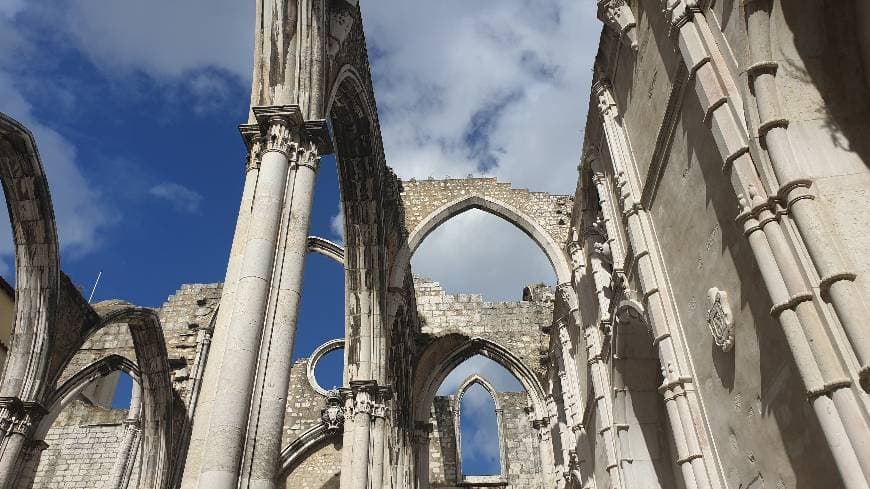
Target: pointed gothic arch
x,y
445,354
37,262
486,203
471,381
151,369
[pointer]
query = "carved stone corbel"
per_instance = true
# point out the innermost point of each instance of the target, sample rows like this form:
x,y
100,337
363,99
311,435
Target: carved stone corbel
x,y
617,15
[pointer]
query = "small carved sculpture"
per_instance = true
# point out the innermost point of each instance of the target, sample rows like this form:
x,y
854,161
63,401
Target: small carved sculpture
x,y
332,415
719,319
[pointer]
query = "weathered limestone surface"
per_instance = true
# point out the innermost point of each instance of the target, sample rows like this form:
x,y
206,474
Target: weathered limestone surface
x,y
423,198
321,470
707,328
82,447
522,464
513,325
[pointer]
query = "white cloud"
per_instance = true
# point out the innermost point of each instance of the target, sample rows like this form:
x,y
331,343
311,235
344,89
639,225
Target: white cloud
x,y
81,214
492,371
336,224
498,87
481,87
165,38
180,197
478,252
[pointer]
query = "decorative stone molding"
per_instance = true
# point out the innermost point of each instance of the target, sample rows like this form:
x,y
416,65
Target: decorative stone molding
x,y
617,15
280,127
315,357
719,318
680,12
332,415
566,294
253,142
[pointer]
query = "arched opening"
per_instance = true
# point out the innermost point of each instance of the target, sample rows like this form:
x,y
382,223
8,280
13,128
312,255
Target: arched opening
x,y
479,436
7,285
478,252
645,438
480,406
123,391
94,427
326,366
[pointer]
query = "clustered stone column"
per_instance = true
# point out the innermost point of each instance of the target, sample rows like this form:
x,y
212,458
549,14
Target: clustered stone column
x,y
677,382
18,421
604,409
363,451
120,475
421,435
827,380
247,414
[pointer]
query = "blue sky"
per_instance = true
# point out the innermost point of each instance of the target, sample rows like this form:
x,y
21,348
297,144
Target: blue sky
x,y
135,107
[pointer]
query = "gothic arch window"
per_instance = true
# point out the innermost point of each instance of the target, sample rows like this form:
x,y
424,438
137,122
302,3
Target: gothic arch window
x,y
477,251
479,425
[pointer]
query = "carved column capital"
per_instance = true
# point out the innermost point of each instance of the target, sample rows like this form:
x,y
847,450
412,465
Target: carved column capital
x,y
680,12
280,127
617,16
20,417
606,102
253,142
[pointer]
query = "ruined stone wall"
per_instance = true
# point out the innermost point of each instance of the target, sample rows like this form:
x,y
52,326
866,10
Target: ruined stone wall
x,y
442,443
756,413
422,198
514,325
84,440
303,404
83,446
320,470
522,465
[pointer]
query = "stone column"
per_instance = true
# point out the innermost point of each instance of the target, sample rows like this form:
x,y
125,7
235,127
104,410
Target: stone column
x,y
347,439
273,376
548,463
33,451
603,407
379,413
124,462
202,399
421,447
224,447
365,396
18,422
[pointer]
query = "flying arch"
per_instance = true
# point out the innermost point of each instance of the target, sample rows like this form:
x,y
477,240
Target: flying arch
x,y
37,261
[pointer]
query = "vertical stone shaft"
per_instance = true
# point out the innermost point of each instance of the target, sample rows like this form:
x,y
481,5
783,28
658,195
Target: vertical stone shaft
x,y
229,418
277,346
647,263
123,464
210,380
716,91
377,465
362,431
421,445
347,440
601,389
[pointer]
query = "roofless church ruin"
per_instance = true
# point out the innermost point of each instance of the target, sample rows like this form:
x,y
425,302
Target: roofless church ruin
x,y
707,326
